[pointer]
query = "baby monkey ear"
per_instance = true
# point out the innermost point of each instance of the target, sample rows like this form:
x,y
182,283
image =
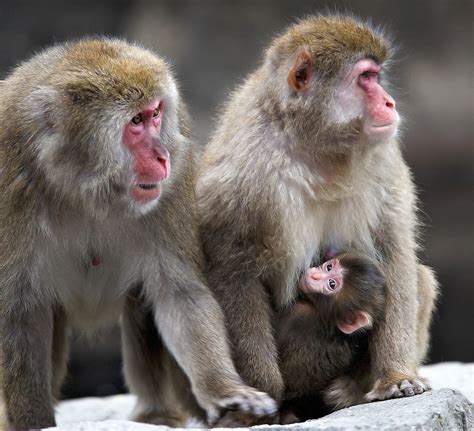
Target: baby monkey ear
x,y
358,320
301,72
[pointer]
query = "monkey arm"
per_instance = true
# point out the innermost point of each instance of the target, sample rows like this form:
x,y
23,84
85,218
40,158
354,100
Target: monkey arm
x,y
26,331
191,324
394,348
26,326
249,318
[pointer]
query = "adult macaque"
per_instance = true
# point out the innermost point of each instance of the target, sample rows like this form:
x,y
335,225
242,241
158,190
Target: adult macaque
x,y
323,338
306,158
98,218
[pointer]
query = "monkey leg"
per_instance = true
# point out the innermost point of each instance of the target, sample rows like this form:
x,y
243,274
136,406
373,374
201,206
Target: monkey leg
x,y
163,390
26,333
60,352
428,291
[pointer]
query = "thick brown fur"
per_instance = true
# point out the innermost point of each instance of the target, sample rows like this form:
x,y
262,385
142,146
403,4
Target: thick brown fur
x,y
315,357
284,178
64,174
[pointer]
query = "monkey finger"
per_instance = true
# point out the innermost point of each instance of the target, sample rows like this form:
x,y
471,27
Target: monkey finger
x,y
213,415
249,401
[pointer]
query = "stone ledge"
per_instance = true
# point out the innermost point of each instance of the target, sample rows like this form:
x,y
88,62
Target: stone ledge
x,y
436,410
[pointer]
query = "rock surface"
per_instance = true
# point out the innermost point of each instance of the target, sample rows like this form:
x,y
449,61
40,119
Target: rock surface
x,y
437,410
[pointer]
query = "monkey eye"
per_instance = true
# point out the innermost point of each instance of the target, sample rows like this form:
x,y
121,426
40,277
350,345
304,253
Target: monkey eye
x,y
329,267
331,284
368,74
137,119
156,112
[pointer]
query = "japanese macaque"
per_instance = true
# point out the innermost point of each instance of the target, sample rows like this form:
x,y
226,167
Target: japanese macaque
x,y
97,219
305,158
323,338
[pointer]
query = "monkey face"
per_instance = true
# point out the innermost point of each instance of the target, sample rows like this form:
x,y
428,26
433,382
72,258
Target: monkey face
x,y
327,279
109,129
151,162
360,95
334,82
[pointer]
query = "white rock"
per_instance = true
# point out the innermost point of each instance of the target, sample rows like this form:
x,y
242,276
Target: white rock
x,y
455,375
440,409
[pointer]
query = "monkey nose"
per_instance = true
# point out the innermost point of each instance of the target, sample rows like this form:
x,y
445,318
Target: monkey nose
x,y
317,275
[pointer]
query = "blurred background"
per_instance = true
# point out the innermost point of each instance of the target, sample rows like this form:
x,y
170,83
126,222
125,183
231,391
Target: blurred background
x,y
214,44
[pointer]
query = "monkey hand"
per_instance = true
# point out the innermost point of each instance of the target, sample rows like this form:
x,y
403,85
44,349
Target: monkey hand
x,y
235,419
396,385
244,407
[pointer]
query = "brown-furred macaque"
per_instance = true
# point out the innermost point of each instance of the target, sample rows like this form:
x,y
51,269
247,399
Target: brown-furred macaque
x,y
305,158
98,219
323,338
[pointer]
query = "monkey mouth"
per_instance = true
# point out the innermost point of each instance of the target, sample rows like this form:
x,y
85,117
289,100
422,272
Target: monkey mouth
x,y
148,186
146,192
386,129
378,126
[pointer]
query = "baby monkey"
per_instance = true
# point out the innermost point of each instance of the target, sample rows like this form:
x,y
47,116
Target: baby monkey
x,y
323,338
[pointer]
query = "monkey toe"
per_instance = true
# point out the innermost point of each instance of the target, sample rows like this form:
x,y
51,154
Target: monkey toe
x,y
405,388
421,385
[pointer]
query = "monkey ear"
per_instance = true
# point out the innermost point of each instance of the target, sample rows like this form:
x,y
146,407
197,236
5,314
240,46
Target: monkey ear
x,y
301,72
359,320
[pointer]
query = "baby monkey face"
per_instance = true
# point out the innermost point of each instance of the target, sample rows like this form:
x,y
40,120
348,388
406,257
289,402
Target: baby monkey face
x,y
326,279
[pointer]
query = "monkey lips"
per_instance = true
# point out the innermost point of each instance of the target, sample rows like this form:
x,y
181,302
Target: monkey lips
x,y
147,186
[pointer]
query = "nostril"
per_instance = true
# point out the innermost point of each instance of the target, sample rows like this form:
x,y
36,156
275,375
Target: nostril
x,y
161,160
390,104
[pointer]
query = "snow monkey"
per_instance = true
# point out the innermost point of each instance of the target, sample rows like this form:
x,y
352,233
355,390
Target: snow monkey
x,y
323,338
97,219
306,157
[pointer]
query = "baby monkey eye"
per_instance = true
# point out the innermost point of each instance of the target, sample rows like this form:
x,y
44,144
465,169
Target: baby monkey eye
x,y
329,267
331,284
137,119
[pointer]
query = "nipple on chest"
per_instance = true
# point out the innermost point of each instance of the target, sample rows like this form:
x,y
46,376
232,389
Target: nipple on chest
x,y
95,261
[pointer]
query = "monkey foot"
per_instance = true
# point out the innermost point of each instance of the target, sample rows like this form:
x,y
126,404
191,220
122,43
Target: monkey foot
x,y
245,406
405,387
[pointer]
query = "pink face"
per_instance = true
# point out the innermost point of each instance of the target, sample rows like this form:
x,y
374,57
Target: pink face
x,y
151,160
360,95
326,279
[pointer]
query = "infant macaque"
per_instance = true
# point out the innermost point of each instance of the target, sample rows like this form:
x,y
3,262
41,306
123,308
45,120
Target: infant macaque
x,y
323,338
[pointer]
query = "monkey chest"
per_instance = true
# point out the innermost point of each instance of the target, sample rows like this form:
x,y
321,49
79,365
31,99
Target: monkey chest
x,y
322,226
88,282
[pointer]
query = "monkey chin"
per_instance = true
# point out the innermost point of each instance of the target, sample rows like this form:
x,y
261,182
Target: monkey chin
x,y
379,133
140,202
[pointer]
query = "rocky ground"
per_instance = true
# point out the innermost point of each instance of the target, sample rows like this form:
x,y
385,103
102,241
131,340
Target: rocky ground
x,y
439,409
